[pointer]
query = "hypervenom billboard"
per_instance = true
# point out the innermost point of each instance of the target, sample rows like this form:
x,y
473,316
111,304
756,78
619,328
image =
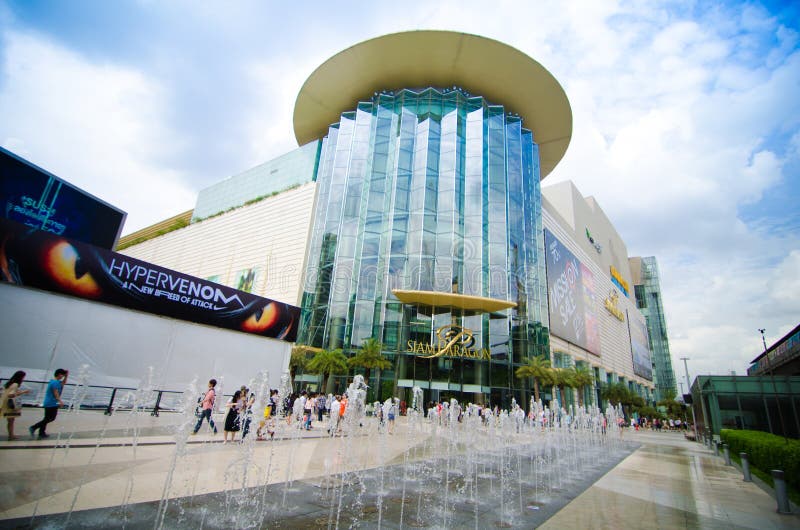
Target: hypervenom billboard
x,y
640,349
31,196
39,259
570,286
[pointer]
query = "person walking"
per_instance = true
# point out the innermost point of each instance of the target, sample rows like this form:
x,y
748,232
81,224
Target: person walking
x,y
391,414
207,407
232,420
52,400
321,404
308,411
247,412
333,418
10,406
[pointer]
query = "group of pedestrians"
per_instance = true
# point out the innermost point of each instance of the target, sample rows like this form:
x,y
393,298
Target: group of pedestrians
x,y
658,424
11,405
238,415
307,406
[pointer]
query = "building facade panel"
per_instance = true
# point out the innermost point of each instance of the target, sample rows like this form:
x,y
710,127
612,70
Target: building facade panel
x,y
612,309
647,289
259,248
290,170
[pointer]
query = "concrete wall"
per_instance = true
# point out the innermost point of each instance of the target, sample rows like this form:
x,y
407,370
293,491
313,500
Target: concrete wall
x,y
45,331
269,236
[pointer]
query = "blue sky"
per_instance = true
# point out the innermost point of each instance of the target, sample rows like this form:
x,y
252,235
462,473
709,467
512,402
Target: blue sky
x,y
686,121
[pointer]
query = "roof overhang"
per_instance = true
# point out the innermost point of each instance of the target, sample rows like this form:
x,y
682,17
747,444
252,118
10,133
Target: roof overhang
x,y
417,59
452,301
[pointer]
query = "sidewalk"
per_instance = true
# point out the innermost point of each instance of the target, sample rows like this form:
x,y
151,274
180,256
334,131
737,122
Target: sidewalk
x,y
84,429
667,483
670,482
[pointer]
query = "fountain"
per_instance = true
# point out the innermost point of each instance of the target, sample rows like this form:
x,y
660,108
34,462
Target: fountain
x,y
466,466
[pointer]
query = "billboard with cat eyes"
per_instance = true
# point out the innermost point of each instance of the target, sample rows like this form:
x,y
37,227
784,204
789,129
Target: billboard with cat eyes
x,y
35,258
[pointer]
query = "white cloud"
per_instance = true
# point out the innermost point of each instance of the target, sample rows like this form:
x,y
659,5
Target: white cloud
x,y
98,126
270,82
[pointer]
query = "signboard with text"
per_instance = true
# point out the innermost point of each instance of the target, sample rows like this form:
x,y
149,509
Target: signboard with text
x,y
640,349
571,296
34,197
43,260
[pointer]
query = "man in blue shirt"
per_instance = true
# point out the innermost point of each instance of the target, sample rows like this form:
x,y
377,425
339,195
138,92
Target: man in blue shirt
x,y
52,400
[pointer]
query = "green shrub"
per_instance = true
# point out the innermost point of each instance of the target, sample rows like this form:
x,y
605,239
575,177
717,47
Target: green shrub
x,y
766,452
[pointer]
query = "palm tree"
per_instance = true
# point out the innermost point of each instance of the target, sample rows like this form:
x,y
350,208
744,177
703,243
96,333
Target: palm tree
x,y
369,356
299,358
562,377
582,377
614,393
327,362
620,393
539,369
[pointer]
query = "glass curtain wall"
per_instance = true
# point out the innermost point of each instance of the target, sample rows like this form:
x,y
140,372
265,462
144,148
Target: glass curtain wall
x,y
428,190
648,300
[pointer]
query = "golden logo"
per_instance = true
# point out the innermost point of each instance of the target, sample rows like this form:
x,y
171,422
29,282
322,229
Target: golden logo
x,y
453,341
611,306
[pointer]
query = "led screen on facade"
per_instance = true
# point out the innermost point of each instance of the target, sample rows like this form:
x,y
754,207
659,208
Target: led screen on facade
x,y
39,259
31,196
571,295
642,363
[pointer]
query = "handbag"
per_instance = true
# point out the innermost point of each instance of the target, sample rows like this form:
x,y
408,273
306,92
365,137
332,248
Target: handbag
x,y
12,409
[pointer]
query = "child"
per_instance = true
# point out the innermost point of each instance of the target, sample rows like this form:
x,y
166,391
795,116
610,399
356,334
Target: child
x,y
267,423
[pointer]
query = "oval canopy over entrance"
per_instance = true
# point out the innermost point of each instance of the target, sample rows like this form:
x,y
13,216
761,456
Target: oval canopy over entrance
x,y
436,302
443,59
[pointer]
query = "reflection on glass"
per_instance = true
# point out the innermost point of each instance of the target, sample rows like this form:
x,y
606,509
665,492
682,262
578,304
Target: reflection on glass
x,y
428,190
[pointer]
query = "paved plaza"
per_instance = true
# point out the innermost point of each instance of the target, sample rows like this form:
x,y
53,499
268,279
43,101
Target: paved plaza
x,y
90,464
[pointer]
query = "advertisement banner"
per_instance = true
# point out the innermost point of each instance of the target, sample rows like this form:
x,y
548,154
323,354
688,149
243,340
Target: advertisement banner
x,y
640,349
571,294
39,259
33,197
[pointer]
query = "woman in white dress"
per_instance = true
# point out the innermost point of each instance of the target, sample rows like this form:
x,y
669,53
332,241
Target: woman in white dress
x,y
11,407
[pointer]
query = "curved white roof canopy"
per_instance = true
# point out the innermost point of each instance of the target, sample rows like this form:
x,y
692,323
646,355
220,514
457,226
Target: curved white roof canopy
x,y
483,67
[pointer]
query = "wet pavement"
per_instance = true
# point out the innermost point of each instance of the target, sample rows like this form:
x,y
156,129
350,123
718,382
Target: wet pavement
x,y
668,482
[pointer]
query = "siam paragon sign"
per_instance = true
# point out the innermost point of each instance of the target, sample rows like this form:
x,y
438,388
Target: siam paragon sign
x,y
453,341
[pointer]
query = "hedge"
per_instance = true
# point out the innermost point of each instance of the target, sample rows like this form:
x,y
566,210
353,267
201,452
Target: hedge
x,y
767,452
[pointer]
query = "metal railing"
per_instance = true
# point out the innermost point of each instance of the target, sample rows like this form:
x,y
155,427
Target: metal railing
x,y
106,398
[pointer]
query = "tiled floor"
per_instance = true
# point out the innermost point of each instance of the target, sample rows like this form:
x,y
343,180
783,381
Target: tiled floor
x,y
672,483
667,483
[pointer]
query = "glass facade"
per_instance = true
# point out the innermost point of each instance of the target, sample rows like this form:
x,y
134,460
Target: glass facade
x,y
292,169
761,403
429,190
648,300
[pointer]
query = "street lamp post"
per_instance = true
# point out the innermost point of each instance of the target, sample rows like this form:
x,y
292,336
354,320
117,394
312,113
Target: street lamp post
x,y
689,387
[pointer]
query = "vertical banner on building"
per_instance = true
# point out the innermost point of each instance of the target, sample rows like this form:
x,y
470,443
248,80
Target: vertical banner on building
x,y
571,295
640,349
43,260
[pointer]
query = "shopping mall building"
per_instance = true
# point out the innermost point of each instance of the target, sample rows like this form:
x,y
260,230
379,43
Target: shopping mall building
x,y
413,213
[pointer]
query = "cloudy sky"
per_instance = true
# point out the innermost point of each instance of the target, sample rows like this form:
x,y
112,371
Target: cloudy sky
x,y
686,122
